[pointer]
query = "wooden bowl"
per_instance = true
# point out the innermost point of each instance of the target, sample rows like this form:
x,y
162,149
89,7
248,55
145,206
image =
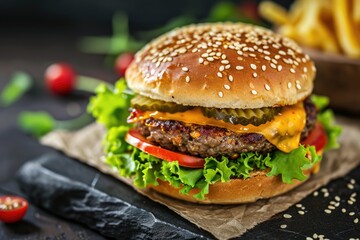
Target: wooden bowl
x,y
338,77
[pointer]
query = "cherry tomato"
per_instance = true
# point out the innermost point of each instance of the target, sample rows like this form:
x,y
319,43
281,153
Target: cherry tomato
x,y
135,139
317,137
123,62
12,208
60,78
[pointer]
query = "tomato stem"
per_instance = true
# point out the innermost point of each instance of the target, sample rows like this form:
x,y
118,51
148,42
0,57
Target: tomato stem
x,y
89,84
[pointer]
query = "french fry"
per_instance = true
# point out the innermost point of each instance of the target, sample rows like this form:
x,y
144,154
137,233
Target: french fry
x,y
345,28
329,25
356,11
273,12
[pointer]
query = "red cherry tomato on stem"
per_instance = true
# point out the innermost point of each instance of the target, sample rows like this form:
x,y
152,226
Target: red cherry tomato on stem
x,y
122,63
12,208
60,78
135,139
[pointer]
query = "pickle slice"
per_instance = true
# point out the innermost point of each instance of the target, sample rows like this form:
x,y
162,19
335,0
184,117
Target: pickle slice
x,y
242,116
147,104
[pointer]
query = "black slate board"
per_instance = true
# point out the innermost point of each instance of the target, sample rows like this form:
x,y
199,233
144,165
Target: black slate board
x,y
78,192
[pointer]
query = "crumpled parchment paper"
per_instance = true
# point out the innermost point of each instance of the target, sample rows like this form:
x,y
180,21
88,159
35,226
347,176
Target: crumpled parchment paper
x,y
222,221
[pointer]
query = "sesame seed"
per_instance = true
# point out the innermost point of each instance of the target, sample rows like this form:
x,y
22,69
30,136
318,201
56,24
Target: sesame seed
x,y
254,92
281,52
201,60
267,58
316,193
239,68
327,211
206,63
279,68
239,52
227,66
185,69
224,61
325,194
305,70
221,68
301,212
210,59
287,215
351,213
157,64
350,202
255,75
298,86
253,66
274,61
227,87
204,55
267,52
187,79
220,94
299,205
331,207
337,198
223,56
356,220
277,56
267,87
352,181
263,67
230,77
343,210
272,65
219,74
292,70
350,186
283,226
309,238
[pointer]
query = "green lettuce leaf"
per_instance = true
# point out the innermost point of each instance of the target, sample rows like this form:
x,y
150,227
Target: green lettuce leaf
x,y
289,165
327,119
110,106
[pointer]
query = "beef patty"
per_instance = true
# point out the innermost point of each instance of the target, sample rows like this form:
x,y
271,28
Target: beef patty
x,y
205,141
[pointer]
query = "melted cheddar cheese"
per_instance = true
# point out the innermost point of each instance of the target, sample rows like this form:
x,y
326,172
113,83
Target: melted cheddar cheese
x,y
283,131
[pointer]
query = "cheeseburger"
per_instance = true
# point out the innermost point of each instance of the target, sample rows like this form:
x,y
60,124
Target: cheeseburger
x,y
221,113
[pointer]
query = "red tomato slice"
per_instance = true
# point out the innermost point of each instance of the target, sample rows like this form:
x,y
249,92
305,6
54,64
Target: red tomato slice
x,y
134,138
317,137
12,209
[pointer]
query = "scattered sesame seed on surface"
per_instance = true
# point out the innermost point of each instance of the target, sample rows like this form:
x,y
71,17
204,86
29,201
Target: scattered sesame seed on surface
x,y
279,68
255,75
305,70
289,86
292,70
227,87
351,213
343,210
187,79
254,92
301,212
263,67
185,69
221,68
253,66
316,193
272,65
352,181
239,67
220,94
287,215
299,205
337,198
283,226
231,78
219,74
350,186
327,211
356,220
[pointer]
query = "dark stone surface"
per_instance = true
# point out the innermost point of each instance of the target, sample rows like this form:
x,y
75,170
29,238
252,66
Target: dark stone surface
x,y
75,200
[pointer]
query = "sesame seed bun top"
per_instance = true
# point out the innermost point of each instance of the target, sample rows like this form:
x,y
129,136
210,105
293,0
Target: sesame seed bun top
x,y
222,65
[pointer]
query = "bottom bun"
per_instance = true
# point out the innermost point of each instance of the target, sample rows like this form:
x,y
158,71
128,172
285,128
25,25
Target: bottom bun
x,y
257,186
